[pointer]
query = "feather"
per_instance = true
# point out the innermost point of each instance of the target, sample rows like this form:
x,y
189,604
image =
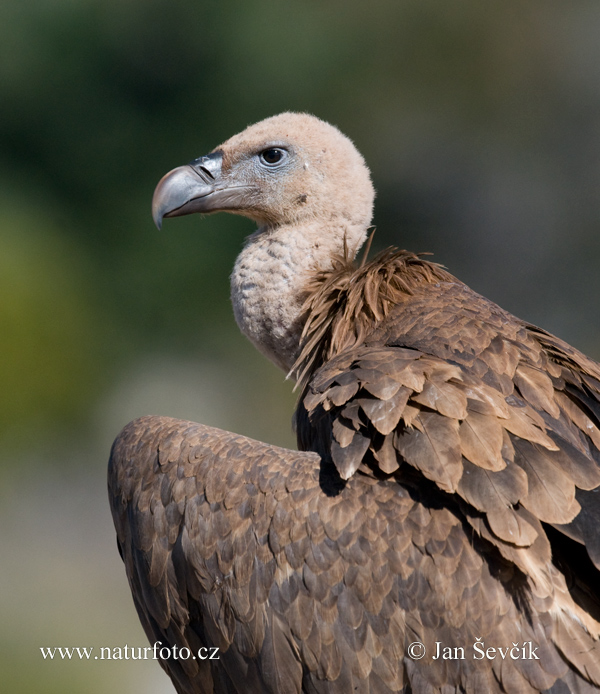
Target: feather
x,y
385,414
352,413
481,441
383,388
582,469
410,416
387,456
280,658
551,494
412,377
342,432
509,525
341,394
578,416
348,459
443,397
435,450
523,423
502,356
493,491
485,400
537,389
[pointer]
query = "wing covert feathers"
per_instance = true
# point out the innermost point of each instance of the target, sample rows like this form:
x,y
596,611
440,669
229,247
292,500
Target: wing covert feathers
x,y
445,493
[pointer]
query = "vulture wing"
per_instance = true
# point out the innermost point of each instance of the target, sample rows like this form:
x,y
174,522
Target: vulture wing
x,y
307,584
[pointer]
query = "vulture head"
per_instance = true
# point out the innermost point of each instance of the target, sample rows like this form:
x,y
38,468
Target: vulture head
x,y
289,169
310,192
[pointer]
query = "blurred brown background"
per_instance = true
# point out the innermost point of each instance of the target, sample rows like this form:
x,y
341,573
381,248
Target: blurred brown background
x,y
480,121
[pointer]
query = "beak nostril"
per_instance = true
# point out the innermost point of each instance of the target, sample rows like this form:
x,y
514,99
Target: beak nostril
x,y
208,167
206,171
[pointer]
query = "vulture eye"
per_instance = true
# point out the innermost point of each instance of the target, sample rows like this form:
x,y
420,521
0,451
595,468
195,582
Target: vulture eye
x,y
272,156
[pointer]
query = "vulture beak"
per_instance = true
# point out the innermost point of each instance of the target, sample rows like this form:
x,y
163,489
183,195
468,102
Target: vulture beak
x,y
196,187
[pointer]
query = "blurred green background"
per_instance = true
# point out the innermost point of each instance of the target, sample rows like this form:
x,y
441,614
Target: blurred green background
x,y
480,121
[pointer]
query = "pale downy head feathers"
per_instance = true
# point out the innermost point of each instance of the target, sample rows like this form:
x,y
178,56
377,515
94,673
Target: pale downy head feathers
x,y
321,175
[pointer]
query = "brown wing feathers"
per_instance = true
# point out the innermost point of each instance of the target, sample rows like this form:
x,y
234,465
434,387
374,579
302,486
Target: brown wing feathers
x,y
510,425
342,306
489,409
303,590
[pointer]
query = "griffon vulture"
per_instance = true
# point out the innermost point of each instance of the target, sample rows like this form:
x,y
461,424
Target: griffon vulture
x,y
438,529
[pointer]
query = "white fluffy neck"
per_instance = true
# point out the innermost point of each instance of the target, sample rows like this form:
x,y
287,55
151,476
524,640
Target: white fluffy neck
x,y
269,279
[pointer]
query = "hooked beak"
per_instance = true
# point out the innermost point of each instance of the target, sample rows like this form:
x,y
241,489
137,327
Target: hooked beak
x,y
196,187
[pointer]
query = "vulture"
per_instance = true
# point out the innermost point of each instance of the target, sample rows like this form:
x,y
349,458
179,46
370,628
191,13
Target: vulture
x,y
438,529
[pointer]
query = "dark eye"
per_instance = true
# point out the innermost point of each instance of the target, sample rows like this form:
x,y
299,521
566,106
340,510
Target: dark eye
x,y
272,156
